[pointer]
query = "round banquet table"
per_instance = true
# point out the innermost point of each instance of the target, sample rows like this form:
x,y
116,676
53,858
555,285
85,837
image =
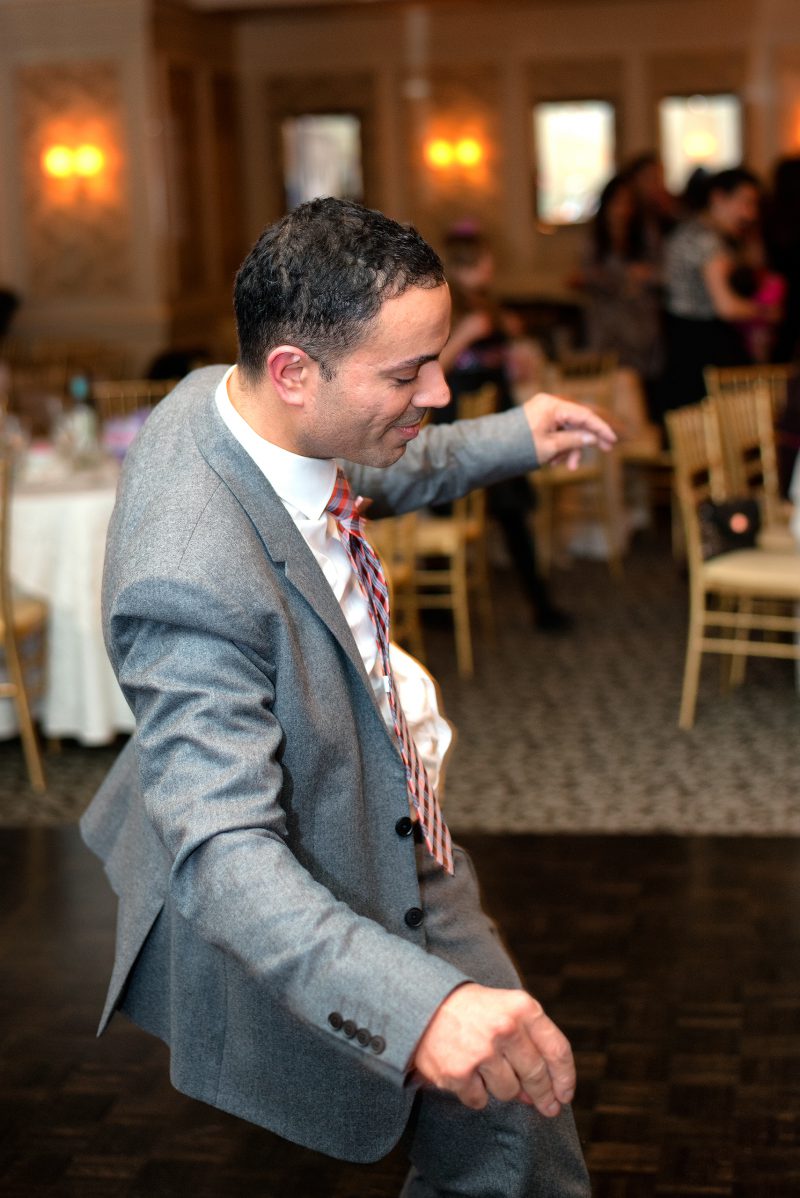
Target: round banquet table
x,y
58,535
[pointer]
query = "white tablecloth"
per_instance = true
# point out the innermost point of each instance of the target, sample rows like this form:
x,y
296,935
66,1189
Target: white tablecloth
x,y
58,534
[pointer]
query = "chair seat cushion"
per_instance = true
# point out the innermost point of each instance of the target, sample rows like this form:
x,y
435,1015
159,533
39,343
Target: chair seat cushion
x,y
755,572
777,538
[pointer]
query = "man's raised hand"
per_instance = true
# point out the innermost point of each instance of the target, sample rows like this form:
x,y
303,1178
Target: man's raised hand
x,y
561,429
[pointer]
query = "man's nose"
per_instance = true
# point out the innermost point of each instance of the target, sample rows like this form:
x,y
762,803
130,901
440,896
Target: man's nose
x,y
435,393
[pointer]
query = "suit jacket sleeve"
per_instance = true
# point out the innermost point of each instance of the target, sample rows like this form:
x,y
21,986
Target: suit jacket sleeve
x,y
446,461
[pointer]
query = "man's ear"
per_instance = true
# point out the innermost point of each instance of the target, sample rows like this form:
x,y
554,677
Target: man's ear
x,y
292,373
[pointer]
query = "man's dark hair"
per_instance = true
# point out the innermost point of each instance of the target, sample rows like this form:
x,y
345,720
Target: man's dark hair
x,y
730,180
318,277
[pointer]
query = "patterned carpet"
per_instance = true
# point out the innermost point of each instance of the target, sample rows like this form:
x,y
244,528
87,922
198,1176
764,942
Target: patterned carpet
x,y
571,733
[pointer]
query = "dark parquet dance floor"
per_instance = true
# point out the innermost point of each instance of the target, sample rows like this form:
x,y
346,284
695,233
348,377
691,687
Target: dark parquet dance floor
x,y
672,963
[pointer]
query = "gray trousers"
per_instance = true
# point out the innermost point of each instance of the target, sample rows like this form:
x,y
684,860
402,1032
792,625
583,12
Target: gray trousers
x,y
507,1150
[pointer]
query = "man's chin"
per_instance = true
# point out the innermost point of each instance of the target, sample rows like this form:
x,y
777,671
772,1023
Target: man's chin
x,y
380,459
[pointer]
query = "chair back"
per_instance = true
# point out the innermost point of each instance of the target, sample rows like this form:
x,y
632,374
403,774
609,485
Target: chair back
x,y
117,398
582,364
697,471
724,382
747,440
586,378
471,406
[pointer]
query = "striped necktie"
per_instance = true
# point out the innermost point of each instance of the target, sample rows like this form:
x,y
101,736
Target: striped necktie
x,y
368,570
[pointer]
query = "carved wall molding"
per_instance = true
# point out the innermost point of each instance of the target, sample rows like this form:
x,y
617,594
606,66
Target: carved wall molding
x,y
292,95
77,231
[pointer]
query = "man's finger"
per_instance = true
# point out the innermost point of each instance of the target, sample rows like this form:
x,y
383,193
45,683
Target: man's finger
x,y
570,441
578,416
500,1079
556,1053
472,1092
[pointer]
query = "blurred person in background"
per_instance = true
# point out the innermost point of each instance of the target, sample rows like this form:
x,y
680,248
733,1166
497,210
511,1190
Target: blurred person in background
x,y
479,351
703,309
621,279
782,237
657,209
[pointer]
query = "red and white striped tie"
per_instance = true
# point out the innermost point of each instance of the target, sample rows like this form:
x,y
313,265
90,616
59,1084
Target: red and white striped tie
x,y
368,569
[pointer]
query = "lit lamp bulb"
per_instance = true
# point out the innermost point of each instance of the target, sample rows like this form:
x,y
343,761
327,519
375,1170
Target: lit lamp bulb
x,y
57,161
439,153
88,161
468,151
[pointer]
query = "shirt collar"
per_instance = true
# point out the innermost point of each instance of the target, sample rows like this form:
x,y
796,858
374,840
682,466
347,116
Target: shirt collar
x,y
304,483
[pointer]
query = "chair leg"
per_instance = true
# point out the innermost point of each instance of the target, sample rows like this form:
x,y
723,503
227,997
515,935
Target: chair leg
x,y
483,588
544,521
739,661
30,744
691,674
677,535
609,488
461,624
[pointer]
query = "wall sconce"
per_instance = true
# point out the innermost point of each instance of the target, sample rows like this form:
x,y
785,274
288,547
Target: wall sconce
x,y
84,162
442,154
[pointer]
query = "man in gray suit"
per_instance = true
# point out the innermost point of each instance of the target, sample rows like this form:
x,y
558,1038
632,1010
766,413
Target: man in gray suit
x,y
292,919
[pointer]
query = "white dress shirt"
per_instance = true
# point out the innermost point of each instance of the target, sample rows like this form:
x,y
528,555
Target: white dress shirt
x,y
304,487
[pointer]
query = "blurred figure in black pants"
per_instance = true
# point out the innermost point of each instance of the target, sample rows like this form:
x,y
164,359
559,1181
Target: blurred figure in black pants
x,y
782,237
704,310
476,354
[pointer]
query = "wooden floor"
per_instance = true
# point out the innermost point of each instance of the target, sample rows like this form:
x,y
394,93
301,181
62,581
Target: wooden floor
x,y
673,965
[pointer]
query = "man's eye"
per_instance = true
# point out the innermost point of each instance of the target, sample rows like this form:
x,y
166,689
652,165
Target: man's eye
x,y
405,382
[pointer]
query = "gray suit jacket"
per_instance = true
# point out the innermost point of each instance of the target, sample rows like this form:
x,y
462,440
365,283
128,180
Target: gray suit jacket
x,y
248,828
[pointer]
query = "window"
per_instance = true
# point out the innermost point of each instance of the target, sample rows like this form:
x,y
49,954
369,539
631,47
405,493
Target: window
x,y
322,157
699,131
574,148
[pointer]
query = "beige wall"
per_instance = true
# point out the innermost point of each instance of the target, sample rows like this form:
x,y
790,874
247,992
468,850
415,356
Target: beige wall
x,y
68,69
188,99
141,257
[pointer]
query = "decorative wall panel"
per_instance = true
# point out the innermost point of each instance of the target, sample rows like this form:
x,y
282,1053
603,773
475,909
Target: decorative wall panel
x,y
185,184
450,105
704,72
77,230
228,175
297,94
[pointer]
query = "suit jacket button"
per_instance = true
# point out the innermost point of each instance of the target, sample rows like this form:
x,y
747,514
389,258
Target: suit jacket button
x,y
377,1044
349,1028
335,1020
404,826
363,1036
413,917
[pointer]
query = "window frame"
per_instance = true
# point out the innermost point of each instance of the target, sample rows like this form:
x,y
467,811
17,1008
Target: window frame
x,y
613,103
716,93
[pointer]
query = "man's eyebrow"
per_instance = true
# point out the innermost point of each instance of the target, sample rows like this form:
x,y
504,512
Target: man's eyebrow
x,y
420,361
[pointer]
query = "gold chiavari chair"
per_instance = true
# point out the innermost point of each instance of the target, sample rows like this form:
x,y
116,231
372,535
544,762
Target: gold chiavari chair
x,y
592,491
22,637
451,553
122,397
394,541
724,382
733,594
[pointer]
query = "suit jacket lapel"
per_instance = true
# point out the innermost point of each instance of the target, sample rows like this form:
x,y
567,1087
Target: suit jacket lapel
x,y
282,540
